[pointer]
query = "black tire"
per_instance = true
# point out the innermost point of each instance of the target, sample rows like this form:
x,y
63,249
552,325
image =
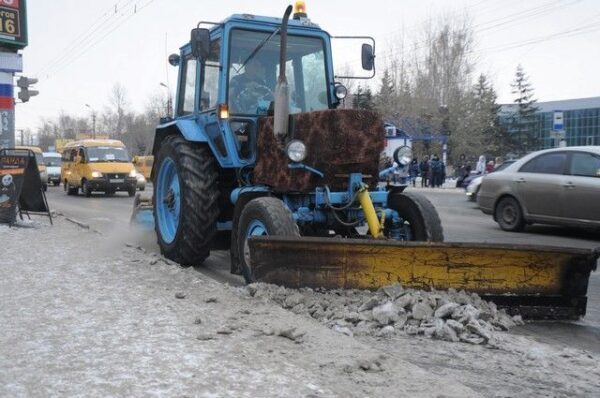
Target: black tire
x,y
420,214
131,192
56,183
45,187
473,198
199,208
509,215
274,215
86,188
142,189
73,191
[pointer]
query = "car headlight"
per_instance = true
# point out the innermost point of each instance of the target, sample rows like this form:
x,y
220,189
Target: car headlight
x,y
96,174
140,178
133,173
296,151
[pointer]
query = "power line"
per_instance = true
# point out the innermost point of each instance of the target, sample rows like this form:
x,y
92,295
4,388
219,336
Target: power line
x,y
98,24
129,10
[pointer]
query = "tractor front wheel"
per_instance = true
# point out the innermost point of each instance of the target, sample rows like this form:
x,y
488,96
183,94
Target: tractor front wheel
x,y
185,200
262,216
421,221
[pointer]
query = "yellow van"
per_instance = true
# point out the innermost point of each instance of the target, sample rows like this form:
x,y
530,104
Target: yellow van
x,y
97,165
143,165
41,164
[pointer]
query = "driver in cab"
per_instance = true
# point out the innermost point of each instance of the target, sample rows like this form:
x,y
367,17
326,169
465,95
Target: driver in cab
x,y
249,90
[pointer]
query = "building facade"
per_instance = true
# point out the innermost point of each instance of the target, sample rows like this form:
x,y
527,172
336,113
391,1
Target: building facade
x,y
581,119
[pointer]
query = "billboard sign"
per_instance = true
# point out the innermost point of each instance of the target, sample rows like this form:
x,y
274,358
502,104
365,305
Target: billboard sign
x,y
13,24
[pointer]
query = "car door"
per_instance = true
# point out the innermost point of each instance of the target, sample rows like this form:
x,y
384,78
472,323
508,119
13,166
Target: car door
x,y
582,188
539,184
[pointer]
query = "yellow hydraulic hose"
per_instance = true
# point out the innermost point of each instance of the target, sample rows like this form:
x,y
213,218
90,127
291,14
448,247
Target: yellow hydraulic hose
x,y
375,227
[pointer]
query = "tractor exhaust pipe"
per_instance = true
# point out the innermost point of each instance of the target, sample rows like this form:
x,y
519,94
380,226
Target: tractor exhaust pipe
x,y
282,94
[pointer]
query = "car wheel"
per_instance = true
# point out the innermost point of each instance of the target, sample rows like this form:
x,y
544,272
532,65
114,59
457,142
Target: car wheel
x,y
87,189
509,215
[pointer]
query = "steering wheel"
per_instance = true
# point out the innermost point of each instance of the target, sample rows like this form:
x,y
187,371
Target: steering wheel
x,y
248,100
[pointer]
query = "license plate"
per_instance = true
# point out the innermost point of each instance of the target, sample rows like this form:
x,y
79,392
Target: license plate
x,y
116,180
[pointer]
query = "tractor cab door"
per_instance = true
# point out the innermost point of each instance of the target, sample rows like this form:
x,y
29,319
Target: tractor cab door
x,y
210,72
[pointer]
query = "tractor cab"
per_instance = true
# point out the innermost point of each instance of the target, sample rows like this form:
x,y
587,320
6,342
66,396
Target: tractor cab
x,y
228,75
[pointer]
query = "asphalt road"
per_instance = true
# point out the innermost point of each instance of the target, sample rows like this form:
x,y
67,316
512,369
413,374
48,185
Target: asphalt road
x,y
462,222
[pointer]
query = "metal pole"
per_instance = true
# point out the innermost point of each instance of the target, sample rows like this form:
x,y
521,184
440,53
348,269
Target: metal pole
x,y
93,125
7,110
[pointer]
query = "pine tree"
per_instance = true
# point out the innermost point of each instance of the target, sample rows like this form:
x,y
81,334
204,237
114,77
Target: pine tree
x,y
495,139
523,120
385,100
363,99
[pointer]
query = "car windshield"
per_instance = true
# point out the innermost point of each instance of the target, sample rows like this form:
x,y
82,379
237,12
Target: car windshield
x,y
39,158
52,161
107,154
253,73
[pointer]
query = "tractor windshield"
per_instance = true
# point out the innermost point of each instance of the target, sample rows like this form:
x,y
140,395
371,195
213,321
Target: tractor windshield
x,y
251,86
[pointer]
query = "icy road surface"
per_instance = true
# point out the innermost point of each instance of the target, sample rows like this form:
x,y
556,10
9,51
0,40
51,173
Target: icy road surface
x,y
84,315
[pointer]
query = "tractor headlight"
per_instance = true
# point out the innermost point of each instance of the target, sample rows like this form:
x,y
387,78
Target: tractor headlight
x,y
96,174
296,151
133,173
340,91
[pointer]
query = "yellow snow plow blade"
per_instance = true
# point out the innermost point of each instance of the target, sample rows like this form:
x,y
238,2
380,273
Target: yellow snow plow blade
x,y
534,281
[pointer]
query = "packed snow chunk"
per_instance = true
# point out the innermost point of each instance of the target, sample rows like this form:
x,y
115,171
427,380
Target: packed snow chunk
x,y
393,291
445,310
422,311
386,313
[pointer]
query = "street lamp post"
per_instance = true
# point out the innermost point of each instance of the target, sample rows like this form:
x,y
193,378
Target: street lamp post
x,y
93,121
169,100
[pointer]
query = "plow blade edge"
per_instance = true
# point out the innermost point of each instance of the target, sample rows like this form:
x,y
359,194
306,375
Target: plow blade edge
x,y
534,281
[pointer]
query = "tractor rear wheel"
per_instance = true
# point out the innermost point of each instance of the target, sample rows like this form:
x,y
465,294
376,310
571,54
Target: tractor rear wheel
x,y
421,219
262,216
185,200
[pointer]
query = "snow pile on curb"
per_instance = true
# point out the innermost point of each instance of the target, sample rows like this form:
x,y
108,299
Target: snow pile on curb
x,y
446,315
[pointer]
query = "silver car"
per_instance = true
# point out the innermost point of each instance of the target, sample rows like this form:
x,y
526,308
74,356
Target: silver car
x,y
558,186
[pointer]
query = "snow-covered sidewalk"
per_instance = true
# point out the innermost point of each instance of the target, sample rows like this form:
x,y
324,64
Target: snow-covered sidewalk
x,y
82,314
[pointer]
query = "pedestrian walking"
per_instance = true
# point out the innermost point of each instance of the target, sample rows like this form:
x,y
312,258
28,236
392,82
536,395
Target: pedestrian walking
x,y
413,170
424,169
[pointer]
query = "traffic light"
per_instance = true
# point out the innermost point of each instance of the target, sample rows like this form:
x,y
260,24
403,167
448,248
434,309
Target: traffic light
x,y
25,92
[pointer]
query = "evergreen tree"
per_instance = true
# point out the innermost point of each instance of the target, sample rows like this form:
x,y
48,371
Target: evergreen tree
x,y
523,119
495,139
385,100
363,99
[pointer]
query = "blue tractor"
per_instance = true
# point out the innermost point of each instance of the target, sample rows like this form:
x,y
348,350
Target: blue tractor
x,y
261,158
259,146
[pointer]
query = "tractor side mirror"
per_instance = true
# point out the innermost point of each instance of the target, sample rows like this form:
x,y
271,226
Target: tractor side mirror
x,y
200,42
367,57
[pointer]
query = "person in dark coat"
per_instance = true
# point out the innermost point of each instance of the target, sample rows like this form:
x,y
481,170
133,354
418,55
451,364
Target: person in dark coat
x,y
424,170
437,171
413,170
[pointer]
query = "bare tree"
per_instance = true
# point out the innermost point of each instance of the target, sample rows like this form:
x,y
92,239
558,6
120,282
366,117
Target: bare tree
x,y
114,115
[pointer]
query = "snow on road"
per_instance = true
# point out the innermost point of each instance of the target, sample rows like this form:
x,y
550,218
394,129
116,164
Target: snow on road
x,y
84,315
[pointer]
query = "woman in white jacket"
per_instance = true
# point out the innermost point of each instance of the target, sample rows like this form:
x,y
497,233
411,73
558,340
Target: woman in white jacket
x,y
480,169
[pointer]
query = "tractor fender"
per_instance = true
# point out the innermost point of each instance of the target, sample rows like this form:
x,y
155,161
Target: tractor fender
x,y
188,128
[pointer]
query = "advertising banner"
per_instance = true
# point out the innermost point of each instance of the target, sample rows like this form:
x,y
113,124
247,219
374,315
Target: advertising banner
x,y
13,24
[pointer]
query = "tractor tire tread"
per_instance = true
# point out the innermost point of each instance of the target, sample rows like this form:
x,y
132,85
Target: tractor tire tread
x,y
422,211
277,218
199,202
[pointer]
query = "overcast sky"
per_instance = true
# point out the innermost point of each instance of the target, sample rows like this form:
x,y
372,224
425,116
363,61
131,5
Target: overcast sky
x,y
80,48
